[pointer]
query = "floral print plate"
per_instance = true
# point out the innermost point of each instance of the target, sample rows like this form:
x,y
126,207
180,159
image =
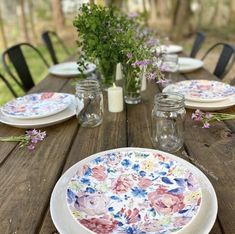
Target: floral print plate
x,y
36,105
133,191
202,90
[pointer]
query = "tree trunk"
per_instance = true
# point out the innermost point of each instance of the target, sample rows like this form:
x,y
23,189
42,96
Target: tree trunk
x,y
22,20
58,16
153,12
3,35
232,12
116,3
214,16
31,20
181,19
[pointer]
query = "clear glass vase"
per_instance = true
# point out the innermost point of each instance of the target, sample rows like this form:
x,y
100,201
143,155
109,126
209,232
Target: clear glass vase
x,y
108,72
132,85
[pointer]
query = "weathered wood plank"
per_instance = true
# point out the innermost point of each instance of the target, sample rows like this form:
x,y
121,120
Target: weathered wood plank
x,y
27,180
110,134
7,147
31,177
213,150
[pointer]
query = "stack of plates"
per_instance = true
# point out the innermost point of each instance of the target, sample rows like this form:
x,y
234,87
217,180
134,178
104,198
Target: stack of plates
x,y
70,69
133,190
204,94
38,110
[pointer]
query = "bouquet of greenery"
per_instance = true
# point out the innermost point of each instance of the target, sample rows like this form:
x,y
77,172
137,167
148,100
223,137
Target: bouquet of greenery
x,y
99,35
107,36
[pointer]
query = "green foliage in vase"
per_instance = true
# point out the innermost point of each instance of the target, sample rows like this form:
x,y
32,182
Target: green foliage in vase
x,y
107,36
98,31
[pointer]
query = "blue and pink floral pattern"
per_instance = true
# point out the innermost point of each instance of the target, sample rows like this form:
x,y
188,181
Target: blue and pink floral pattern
x,y
202,90
36,105
133,192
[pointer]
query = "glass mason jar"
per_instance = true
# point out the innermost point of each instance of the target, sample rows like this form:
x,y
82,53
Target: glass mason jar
x,y
168,117
89,99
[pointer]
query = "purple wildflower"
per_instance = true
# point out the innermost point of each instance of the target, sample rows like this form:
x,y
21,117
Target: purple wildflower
x,y
151,75
133,15
31,147
208,115
163,81
197,116
129,55
140,63
34,137
206,125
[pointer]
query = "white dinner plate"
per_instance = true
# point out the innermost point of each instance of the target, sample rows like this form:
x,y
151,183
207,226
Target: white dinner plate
x,y
211,106
202,90
36,105
171,49
42,122
189,64
65,223
70,69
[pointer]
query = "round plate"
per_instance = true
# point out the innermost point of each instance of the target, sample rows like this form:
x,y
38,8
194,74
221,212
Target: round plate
x,y
42,122
37,105
189,64
171,49
70,69
211,106
202,90
65,223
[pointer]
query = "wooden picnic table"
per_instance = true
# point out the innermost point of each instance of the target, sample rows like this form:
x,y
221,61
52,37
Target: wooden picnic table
x,y
27,179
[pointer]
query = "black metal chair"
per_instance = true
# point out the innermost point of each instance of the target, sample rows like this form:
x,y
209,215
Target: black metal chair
x,y
47,37
200,37
225,61
5,81
18,60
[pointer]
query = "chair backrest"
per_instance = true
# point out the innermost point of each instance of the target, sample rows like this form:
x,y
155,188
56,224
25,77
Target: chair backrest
x,y
200,37
225,61
8,85
47,39
18,60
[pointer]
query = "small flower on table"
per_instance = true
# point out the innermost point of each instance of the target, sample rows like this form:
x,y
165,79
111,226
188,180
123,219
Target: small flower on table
x,y
30,139
207,117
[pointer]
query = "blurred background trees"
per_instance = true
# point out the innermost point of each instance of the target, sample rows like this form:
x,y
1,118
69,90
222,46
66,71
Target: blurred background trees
x,y
23,20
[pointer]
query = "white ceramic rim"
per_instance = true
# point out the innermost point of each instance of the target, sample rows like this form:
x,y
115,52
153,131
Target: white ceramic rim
x,y
56,69
41,122
65,223
194,64
211,106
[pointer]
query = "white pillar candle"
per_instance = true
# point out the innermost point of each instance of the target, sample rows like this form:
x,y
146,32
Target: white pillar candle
x,y
115,99
119,71
144,81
